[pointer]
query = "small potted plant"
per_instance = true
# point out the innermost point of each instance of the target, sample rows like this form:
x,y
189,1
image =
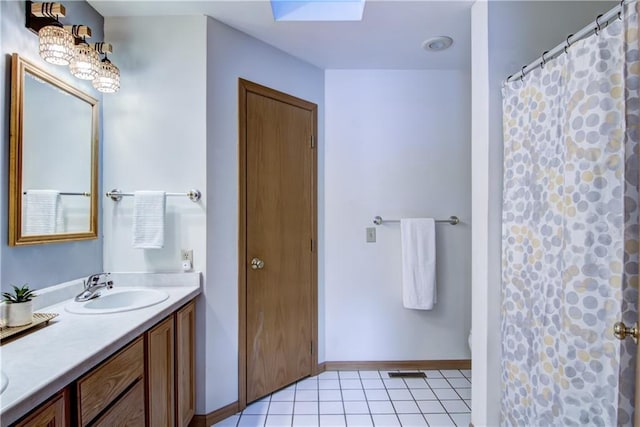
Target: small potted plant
x,y
19,308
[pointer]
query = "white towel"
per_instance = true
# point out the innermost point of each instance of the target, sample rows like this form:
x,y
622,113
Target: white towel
x,y
148,219
418,263
43,212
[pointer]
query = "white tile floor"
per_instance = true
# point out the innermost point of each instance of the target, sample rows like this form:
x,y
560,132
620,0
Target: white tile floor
x,y
364,398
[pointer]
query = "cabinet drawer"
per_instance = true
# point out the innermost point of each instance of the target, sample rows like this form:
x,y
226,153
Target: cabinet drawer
x,y
127,411
104,384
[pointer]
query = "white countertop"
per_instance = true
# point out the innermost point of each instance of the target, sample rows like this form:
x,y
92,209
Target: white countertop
x,y
41,363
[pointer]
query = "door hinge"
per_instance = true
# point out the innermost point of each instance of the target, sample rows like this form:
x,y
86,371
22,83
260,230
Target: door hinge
x,y
312,142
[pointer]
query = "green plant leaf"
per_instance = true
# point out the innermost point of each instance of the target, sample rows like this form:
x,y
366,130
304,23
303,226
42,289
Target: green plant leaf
x,y
20,294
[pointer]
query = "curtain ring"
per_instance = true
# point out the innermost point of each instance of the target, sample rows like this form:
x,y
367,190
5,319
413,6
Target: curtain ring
x,y
568,45
598,26
621,10
522,73
544,61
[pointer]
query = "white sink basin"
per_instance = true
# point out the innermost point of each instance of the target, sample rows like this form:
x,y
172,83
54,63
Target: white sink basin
x,y
4,382
118,300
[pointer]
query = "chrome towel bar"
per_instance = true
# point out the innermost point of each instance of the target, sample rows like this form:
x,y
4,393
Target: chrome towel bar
x,y
68,194
453,220
116,195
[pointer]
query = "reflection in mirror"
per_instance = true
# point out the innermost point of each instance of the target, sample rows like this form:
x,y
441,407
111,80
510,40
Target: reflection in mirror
x,y
53,177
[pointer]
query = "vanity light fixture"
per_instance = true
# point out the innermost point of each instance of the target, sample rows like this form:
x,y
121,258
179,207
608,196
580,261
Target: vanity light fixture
x,y
108,79
84,64
56,44
67,45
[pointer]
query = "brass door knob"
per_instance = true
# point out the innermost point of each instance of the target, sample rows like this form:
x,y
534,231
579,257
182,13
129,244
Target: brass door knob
x,y
621,331
257,264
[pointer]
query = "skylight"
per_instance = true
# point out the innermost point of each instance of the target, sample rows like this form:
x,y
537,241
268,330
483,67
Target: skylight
x,y
317,10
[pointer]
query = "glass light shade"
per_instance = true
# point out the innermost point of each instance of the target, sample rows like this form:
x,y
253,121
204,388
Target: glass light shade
x,y
108,79
85,62
56,45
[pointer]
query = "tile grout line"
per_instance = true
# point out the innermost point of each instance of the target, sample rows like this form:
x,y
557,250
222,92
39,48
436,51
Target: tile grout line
x,y
366,399
343,406
389,396
318,394
415,401
456,391
438,398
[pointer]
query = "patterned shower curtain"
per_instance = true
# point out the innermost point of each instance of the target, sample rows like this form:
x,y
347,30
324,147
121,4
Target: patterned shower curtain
x,y
570,234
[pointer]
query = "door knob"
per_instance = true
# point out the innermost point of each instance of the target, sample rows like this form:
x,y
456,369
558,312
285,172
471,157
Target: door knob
x,y
621,331
257,264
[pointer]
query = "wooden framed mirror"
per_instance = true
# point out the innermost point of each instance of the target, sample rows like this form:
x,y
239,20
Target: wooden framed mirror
x,y
53,159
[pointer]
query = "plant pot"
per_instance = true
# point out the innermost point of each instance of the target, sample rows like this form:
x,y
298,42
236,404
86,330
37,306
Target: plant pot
x,y
19,314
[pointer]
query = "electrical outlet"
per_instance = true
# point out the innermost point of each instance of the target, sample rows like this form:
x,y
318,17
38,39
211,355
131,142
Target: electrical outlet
x,y
186,255
371,234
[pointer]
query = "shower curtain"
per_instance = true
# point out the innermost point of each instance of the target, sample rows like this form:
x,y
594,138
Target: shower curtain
x,y
570,234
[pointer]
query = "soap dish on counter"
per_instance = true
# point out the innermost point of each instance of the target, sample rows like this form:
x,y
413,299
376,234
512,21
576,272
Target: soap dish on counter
x,y
38,319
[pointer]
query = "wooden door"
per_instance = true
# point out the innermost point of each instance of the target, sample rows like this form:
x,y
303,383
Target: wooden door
x,y
277,245
185,364
160,374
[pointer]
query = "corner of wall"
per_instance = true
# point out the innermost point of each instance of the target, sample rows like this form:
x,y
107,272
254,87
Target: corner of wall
x,y
483,413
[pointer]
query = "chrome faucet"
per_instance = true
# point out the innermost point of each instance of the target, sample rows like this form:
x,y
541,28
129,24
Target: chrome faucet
x,y
93,285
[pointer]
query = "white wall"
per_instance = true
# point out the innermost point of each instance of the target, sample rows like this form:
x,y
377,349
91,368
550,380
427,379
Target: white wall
x,y
155,136
397,145
232,54
41,265
510,34
155,139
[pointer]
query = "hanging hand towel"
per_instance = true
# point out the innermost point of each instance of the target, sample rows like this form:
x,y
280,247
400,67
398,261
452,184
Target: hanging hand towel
x,y
148,219
43,212
418,263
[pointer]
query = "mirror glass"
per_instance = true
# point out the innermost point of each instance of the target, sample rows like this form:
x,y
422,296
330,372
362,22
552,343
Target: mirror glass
x,y
53,176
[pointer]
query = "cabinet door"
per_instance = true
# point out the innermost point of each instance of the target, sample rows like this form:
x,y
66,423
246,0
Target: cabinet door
x,y
127,411
54,413
185,364
160,365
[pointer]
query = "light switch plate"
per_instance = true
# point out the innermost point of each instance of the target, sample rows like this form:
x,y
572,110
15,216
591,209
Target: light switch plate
x,y
371,234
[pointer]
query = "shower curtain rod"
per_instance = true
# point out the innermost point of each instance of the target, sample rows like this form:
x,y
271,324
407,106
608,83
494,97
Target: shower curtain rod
x,y
600,22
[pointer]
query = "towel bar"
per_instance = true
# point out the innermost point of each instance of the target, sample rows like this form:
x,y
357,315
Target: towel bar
x,y
116,195
453,220
67,194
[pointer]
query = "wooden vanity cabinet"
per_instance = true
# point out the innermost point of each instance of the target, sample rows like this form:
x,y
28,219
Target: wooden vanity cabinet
x,y
150,382
171,369
53,413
